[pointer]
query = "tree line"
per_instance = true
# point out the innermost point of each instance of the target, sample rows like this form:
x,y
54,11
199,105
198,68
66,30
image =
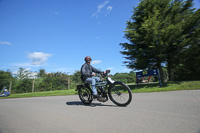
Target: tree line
x,y
24,81
164,34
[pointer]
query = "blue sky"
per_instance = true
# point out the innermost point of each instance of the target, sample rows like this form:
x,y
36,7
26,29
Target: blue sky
x,y
56,35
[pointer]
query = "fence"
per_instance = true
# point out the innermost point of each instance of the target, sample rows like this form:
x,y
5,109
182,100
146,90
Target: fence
x,y
10,84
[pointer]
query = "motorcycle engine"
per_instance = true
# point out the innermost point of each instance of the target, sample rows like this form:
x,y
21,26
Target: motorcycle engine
x,y
102,99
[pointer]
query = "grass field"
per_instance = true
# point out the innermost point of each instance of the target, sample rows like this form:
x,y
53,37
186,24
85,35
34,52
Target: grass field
x,y
170,86
141,88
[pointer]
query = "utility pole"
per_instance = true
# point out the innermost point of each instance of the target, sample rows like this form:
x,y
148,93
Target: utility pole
x,y
10,86
33,85
68,80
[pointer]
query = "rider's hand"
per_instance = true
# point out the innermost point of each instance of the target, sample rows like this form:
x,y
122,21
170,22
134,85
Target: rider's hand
x,y
104,73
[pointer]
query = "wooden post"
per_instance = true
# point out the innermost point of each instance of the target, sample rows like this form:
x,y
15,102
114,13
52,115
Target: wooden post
x,y
10,86
68,83
33,85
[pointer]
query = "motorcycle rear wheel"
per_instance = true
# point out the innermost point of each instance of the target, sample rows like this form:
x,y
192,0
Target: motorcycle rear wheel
x,y
85,95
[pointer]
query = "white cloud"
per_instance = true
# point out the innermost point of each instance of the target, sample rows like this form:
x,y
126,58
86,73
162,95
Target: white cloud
x,y
109,8
99,8
33,75
127,70
5,43
96,62
64,70
110,68
38,58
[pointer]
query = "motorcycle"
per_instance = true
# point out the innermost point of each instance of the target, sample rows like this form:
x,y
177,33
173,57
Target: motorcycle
x,y
119,93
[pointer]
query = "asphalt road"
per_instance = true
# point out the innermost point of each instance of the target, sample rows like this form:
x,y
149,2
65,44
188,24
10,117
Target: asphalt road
x,y
158,112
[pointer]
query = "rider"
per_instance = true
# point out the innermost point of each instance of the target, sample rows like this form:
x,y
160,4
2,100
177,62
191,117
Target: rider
x,y
5,92
87,73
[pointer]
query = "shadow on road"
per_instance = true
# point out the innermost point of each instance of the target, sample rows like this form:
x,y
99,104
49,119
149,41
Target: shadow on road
x,y
79,103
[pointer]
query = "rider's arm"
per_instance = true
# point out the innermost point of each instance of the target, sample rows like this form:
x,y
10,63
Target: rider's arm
x,y
96,70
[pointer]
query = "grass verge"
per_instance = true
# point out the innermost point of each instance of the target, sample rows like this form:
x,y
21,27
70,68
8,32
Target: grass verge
x,y
43,94
141,88
169,86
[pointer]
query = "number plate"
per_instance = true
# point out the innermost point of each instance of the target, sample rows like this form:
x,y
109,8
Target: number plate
x,y
111,80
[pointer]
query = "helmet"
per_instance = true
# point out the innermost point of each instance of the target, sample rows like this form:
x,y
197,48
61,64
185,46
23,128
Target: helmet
x,y
88,58
5,90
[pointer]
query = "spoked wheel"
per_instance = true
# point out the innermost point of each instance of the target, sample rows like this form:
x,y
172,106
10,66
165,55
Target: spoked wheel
x,y
85,94
120,94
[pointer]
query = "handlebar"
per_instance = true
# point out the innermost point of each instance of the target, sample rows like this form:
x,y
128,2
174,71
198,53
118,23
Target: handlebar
x,y
105,74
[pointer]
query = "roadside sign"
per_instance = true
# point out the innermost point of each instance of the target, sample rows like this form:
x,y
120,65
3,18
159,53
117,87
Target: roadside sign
x,y
144,73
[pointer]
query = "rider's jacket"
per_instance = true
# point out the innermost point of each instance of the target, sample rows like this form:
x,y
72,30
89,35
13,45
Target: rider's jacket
x,y
86,71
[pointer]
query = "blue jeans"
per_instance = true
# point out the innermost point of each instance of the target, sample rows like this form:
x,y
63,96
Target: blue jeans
x,y
92,82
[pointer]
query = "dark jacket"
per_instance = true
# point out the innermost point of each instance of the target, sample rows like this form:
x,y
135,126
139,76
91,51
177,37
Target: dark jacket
x,y
86,71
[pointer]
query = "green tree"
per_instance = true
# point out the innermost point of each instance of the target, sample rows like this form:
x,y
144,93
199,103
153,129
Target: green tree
x,y
76,77
54,81
189,66
24,86
41,73
157,32
132,77
24,81
23,73
125,77
5,78
182,32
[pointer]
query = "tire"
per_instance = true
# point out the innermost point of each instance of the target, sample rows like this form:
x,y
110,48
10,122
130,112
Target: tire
x,y
120,94
85,95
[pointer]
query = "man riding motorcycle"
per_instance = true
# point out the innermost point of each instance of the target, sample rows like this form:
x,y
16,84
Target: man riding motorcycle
x,y
87,73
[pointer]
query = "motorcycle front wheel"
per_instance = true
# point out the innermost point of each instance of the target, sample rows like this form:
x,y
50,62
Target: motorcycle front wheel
x,y
120,94
85,95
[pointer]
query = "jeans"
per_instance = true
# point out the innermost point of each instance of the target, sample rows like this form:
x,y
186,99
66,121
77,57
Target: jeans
x,y
92,82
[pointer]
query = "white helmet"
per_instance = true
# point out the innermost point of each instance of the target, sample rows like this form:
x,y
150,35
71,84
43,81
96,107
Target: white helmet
x,y
5,90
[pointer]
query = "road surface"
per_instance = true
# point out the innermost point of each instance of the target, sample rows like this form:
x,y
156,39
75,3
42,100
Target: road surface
x,y
158,112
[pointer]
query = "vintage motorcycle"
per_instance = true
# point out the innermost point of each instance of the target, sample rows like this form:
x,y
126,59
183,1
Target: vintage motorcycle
x,y
118,92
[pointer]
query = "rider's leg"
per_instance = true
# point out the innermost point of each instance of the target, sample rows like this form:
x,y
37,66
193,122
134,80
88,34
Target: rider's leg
x,y
97,79
92,82
94,79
